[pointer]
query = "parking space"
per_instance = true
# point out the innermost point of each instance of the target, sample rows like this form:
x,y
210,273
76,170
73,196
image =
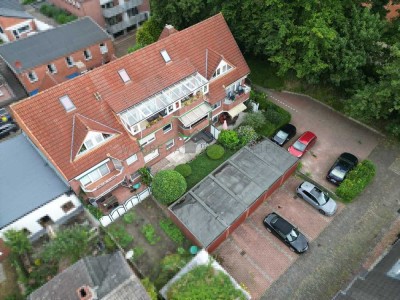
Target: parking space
x,y
335,134
256,258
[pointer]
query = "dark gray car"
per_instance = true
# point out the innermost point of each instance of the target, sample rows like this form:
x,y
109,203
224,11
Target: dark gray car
x,y
317,198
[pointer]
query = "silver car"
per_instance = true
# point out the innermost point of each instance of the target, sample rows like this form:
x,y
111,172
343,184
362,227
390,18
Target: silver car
x,y
317,198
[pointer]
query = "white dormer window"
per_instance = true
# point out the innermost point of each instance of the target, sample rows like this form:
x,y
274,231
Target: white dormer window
x,y
222,68
92,140
67,103
124,75
70,61
32,76
165,55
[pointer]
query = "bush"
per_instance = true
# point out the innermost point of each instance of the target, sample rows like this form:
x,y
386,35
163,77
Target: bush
x,y
246,134
145,176
267,130
137,252
229,139
276,114
150,288
215,151
129,217
184,169
135,47
121,236
255,119
356,181
149,32
168,186
150,234
259,98
172,231
109,243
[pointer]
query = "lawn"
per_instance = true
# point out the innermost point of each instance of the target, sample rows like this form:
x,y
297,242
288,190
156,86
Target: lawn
x,y
202,165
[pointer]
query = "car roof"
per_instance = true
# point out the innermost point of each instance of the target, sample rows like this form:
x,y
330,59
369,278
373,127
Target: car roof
x,y
307,186
282,225
307,136
349,157
288,127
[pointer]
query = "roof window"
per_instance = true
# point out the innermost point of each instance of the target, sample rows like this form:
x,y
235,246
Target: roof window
x,y
124,75
165,55
67,103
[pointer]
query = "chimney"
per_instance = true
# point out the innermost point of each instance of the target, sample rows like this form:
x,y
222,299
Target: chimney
x,y
167,31
86,293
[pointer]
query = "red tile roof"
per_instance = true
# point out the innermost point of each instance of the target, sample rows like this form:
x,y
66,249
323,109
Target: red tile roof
x,y
47,123
167,31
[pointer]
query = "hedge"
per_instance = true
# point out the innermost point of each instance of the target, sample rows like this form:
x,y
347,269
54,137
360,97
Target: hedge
x,y
168,186
229,139
356,181
215,151
184,169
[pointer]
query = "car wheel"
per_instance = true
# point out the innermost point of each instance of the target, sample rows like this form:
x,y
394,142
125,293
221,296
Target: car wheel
x,y
269,230
300,195
321,211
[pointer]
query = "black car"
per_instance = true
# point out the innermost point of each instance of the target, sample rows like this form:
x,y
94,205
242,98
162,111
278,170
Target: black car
x,y
285,231
342,166
6,129
284,134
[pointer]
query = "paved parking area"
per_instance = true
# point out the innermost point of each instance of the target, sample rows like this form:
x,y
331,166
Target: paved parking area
x,y
256,258
335,134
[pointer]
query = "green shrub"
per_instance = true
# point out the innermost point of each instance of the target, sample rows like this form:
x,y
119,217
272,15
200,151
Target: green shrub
x,y
129,217
145,176
356,181
273,116
229,139
121,236
149,32
246,134
135,47
168,186
25,2
150,288
172,231
215,151
255,119
259,98
137,252
184,169
267,129
109,243
150,234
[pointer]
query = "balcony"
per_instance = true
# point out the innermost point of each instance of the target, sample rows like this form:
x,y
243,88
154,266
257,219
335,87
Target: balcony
x,y
119,9
105,184
195,128
191,101
233,99
134,20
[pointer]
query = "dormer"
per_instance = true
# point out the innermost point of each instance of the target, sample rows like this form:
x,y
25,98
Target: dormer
x,y
92,140
223,67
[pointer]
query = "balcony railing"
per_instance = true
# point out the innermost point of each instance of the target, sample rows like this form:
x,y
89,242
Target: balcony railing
x,y
231,97
134,20
119,9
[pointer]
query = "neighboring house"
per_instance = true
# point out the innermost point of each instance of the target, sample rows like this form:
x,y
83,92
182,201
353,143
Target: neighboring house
x,y
116,16
53,56
98,129
382,281
16,23
105,277
32,196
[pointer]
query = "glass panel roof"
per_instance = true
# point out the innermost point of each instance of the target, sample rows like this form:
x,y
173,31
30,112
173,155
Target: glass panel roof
x,y
162,99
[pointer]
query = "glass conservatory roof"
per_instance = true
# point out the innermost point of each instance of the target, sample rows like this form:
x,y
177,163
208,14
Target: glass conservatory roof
x,y
163,99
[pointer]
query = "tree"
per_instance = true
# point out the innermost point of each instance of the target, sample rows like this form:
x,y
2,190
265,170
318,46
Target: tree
x,y
148,33
168,186
17,241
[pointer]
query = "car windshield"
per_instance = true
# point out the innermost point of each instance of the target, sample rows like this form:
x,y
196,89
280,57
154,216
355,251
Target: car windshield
x,y
321,197
282,135
299,146
338,172
292,236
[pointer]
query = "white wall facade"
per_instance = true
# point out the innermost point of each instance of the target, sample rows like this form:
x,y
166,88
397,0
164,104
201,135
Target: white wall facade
x,y
52,209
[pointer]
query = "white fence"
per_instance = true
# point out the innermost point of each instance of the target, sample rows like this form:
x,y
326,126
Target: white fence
x,y
123,208
215,132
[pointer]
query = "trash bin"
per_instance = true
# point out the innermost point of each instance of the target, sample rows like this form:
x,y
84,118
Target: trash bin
x,y
193,250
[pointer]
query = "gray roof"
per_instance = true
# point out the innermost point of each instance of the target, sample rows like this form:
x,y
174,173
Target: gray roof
x,y
12,8
382,282
217,201
46,46
109,275
26,181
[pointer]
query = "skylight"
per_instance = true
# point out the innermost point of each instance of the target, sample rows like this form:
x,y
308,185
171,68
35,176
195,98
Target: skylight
x,y
165,55
124,75
67,103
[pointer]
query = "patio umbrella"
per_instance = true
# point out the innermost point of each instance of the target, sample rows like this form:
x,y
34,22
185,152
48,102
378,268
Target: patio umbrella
x,y
225,125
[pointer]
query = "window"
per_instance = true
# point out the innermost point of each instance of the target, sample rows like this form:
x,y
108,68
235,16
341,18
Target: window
x,y
147,140
70,61
87,54
32,76
24,29
167,128
205,89
1,30
103,48
153,154
169,144
93,139
66,207
223,67
165,55
130,160
67,103
216,105
124,76
52,68
95,175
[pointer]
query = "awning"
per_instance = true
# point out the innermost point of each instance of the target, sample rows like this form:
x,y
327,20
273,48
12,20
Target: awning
x,y
237,110
195,114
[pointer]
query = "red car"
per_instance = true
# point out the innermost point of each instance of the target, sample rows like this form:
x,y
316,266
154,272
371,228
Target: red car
x,y
303,144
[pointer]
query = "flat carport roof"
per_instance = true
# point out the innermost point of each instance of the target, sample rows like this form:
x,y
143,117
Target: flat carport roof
x,y
214,204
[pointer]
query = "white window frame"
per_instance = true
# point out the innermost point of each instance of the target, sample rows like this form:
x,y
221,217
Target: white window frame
x,y
52,68
67,103
103,48
222,69
124,76
94,176
152,155
71,59
96,138
165,56
147,139
218,105
168,130
131,159
169,146
87,54
24,31
34,76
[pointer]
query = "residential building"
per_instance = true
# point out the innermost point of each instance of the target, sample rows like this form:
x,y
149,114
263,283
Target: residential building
x,y
116,16
105,277
16,23
48,58
32,195
98,129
